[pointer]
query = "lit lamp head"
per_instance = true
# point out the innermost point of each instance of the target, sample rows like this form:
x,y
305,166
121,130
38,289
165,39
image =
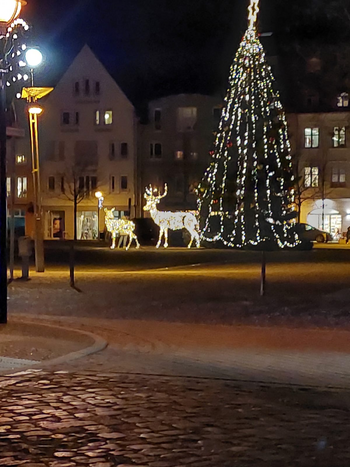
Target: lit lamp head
x,y
9,11
33,57
35,109
98,194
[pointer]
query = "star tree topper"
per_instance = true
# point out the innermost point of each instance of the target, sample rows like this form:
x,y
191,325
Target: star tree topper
x,y
253,10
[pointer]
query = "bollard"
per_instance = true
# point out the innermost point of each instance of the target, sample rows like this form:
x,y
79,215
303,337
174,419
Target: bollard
x,y
24,251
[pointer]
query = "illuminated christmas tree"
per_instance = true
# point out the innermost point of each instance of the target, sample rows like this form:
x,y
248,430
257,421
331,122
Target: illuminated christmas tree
x,y
246,194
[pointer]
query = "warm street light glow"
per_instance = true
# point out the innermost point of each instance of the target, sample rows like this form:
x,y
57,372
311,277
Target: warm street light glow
x,y
34,57
98,194
10,9
35,109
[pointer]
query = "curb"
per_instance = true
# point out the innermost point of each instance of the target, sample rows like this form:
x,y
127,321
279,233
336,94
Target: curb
x,y
98,345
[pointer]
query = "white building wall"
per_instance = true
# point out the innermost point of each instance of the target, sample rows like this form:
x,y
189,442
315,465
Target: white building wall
x,y
55,134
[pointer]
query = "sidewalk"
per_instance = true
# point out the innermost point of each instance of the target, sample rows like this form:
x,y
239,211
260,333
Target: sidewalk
x,y
26,343
310,357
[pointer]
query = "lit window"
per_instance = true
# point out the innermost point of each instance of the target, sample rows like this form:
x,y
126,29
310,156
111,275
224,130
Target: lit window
x,y
21,159
8,186
108,117
343,100
124,182
51,183
155,151
339,135
22,187
179,155
338,176
124,150
103,117
311,137
311,177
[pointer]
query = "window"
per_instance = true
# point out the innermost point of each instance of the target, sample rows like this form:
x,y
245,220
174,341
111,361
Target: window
x,y
311,137
65,118
21,187
124,182
157,119
81,185
51,184
112,183
186,118
77,118
97,89
103,117
8,186
62,185
111,151
124,150
87,184
311,177
339,136
194,155
338,177
343,100
77,88
21,159
155,151
179,155
87,87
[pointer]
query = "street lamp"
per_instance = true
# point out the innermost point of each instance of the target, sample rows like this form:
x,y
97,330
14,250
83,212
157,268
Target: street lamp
x,y
11,29
32,94
100,198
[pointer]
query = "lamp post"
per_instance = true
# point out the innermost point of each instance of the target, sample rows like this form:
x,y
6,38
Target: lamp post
x,y
100,198
9,28
32,95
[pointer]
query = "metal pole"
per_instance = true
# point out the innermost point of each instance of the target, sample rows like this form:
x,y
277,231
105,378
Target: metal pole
x,y
3,202
38,231
263,275
98,220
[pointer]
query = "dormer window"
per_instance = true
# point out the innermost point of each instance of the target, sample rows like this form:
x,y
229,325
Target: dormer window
x,y
97,88
87,87
77,88
343,100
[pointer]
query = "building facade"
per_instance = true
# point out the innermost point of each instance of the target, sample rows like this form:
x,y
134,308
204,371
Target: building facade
x,y
321,154
87,137
174,146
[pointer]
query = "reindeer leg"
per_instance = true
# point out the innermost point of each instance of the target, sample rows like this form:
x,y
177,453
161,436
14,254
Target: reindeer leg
x,y
190,243
136,240
198,241
113,241
160,237
166,238
128,245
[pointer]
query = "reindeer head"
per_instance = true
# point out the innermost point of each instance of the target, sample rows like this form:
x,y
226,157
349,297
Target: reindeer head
x,y
109,213
153,199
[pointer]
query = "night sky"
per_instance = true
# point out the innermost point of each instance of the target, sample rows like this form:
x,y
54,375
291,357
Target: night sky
x,y
159,47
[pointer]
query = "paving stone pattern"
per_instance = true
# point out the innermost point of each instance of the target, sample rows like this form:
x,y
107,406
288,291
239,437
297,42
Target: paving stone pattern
x,y
68,419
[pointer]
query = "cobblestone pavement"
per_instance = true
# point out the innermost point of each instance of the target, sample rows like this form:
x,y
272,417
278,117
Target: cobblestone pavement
x,y
67,419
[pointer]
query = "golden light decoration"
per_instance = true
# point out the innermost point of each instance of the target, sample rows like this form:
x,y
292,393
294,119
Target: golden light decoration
x,y
120,227
170,220
253,11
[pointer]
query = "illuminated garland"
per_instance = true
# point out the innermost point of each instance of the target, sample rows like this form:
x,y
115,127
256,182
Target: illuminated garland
x,y
246,195
13,48
120,227
170,220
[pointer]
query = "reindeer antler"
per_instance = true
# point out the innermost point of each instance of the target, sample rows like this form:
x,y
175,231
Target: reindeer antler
x,y
148,192
165,191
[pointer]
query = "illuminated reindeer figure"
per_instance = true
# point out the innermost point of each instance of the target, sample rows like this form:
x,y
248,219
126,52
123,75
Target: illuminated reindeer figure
x,y
121,227
170,220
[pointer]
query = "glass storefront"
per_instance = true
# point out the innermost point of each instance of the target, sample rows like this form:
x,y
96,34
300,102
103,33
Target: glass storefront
x,y
56,224
87,225
330,221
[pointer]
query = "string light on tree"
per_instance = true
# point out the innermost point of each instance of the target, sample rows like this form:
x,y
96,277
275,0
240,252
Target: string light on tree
x,y
245,197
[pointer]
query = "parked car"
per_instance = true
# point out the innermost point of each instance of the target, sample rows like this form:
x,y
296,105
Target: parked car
x,y
307,232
